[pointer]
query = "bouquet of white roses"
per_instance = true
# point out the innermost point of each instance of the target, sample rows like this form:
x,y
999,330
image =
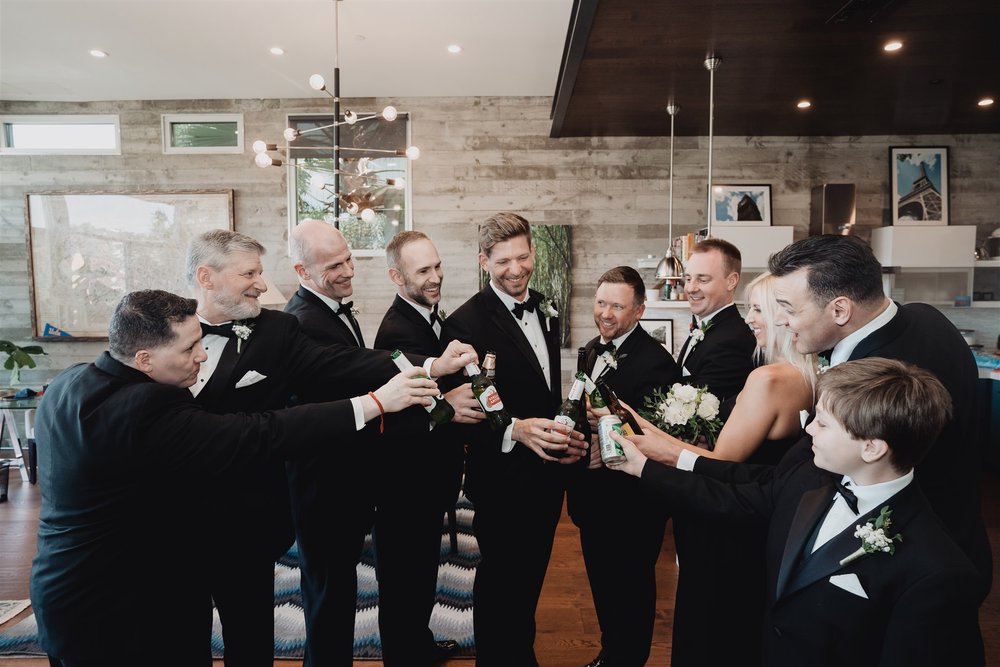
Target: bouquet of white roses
x,y
685,412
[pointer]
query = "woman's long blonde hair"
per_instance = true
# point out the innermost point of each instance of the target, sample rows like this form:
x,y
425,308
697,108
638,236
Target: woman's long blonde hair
x,y
778,344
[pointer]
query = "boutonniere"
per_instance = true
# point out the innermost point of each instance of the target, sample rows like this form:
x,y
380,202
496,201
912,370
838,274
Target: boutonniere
x,y
698,332
822,365
548,308
442,314
242,330
354,311
874,538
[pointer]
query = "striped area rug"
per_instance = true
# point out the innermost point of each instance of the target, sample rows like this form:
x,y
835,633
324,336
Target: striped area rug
x,y
451,619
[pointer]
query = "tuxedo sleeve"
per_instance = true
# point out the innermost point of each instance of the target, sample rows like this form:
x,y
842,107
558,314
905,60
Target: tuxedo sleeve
x,y
700,495
743,473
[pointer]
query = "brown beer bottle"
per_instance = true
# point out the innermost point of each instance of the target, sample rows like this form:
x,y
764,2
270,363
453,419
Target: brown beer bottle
x,y
628,419
583,426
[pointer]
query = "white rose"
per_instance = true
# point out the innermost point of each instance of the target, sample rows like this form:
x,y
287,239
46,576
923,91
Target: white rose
x,y
673,414
685,393
709,406
687,411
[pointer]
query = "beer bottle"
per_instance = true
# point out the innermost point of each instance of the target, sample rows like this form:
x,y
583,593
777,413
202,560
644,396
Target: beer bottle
x,y
489,398
581,367
490,364
629,425
569,411
440,410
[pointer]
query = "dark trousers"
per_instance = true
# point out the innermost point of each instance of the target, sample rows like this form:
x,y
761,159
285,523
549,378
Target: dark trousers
x,y
243,591
621,536
515,528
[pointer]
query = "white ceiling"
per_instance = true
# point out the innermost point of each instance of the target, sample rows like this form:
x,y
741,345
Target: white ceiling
x,y
218,49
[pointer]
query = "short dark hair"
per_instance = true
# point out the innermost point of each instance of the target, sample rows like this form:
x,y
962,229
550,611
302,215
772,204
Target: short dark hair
x,y
628,276
394,249
502,227
732,260
835,266
144,320
887,399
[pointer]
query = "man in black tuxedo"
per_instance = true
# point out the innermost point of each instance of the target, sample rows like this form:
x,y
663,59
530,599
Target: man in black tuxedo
x,y
257,359
860,570
621,540
114,438
512,479
420,469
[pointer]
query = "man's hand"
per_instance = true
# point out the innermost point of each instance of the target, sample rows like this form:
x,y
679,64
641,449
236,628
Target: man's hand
x,y
593,414
658,448
634,459
595,455
455,357
467,410
543,435
406,388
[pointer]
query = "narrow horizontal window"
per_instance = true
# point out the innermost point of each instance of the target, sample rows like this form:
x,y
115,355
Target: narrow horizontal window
x,y
203,133
60,135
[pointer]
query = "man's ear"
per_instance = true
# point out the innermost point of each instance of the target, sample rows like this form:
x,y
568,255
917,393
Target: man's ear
x,y
732,280
396,277
874,450
300,269
842,308
143,361
203,276
484,262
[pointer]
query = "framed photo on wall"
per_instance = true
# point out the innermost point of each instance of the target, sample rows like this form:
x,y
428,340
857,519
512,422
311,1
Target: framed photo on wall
x,y
662,332
919,182
87,250
741,205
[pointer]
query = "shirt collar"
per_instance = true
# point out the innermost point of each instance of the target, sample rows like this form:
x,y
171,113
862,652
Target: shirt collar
x,y
424,311
870,497
621,339
212,324
708,318
842,350
333,304
507,300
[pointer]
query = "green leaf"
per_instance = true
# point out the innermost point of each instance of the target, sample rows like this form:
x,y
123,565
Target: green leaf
x,y
33,349
9,364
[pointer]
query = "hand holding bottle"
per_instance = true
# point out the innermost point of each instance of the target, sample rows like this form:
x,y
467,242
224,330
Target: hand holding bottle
x,y
635,460
454,358
406,388
467,410
543,436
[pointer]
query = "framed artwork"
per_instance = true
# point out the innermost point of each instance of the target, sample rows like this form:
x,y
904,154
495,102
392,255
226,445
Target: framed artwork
x,y
662,332
919,177
741,205
87,250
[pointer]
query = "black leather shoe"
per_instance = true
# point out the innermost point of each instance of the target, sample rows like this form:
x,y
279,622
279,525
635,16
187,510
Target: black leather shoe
x,y
600,661
444,649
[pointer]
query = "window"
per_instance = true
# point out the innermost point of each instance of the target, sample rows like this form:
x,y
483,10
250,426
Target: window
x,y
60,135
202,133
375,180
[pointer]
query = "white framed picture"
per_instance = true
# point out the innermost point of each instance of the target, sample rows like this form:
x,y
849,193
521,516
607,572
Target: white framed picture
x,y
662,331
741,205
919,185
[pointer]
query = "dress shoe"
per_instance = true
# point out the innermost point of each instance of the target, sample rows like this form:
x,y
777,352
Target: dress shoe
x,y
600,661
444,649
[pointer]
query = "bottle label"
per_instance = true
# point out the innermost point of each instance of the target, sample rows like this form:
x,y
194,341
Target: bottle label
x,y
490,400
576,391
565,420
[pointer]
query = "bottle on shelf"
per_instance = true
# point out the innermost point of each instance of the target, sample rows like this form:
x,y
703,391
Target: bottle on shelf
x,y
489,398
440,410
629,424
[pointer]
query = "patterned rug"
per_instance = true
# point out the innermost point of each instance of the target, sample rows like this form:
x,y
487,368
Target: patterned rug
x,y
451,619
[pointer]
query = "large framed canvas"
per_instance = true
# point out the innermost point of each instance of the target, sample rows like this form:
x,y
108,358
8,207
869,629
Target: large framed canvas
x,y
662,331
88,249
919,185
741,205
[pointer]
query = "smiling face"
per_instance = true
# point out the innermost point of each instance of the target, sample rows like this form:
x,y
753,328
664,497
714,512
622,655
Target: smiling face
x,y
419,275
510,264
708,286
615,310
755,317
813,327
834,449
177,362
232,291
329,268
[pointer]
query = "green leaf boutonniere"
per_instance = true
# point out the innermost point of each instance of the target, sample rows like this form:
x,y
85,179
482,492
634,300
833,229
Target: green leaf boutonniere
x,y
242,329
548,307
874,538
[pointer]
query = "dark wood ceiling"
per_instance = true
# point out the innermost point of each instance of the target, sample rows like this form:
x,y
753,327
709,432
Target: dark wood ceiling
x,y
625,60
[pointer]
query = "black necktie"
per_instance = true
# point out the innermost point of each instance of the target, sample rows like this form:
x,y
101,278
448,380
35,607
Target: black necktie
x,y
225,330
848,496
520,308
346,309
601,348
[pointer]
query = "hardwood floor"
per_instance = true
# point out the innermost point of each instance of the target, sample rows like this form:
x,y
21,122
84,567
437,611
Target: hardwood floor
x,y
568,634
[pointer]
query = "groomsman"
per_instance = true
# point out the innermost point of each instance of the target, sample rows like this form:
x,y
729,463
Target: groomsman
x,y
420,470
621,540
257,359
512,478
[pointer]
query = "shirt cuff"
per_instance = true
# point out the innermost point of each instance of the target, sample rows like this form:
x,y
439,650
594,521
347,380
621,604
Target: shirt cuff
x,y
686,460
427,366
508,442
359,413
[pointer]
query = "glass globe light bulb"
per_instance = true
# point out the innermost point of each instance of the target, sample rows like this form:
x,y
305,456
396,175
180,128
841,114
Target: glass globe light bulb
x,y
367,215
389,113
259,146
263,160
317,82
290,133
352,208
413,152
400,183
350,117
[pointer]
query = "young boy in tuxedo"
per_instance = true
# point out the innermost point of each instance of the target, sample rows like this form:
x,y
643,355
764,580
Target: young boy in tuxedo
x,y
859,569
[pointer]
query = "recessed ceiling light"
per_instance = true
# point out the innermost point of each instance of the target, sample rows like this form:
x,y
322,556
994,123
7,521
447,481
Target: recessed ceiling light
x,y
894,45
454,48
985,102
277,50
804,104
97,53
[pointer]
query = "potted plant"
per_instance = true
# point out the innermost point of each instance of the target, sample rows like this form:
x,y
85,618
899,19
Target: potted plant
x,y
18,358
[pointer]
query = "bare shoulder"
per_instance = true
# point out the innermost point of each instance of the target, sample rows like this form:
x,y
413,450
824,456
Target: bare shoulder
x,y
781,378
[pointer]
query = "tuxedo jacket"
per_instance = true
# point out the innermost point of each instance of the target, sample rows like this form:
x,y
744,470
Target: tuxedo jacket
x,y
949,474
318,321
485,323
114,449
724,358
918,606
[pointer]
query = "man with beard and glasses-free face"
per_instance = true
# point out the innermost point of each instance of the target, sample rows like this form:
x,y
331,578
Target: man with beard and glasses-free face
x,y
420,469
258,359
620,548
512,478
115,436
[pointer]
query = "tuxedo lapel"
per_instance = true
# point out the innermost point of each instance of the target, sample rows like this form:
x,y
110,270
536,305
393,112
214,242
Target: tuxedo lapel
x,y
811,509
504,320
410,314
550,329
335,319
222,377
883,336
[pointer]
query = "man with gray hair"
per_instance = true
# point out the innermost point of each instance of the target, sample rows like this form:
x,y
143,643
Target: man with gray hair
x,y
113,437
257,360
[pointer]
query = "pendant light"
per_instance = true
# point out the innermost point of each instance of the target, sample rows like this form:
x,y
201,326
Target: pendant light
x,y
670,267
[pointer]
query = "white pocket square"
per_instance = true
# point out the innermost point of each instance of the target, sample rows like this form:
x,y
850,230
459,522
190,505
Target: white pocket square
x,y
850,583
252,377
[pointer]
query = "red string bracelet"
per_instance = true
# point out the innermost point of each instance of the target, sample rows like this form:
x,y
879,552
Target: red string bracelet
x,y
381,422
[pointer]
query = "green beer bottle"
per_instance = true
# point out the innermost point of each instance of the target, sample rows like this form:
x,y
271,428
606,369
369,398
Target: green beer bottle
x,y
440,410
489,398
569,411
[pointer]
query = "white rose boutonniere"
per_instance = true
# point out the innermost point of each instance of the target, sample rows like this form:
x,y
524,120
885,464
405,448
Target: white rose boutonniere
x,y
698,333
822,365
547,307
242,330
874,538
355,312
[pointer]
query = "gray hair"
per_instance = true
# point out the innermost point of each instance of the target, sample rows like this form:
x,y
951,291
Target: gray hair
x,y
213,248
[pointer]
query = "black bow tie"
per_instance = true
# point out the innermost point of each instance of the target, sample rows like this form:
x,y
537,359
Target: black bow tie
x,y
225,330
694,323
848,496
520,308
601,348
345,309
434,315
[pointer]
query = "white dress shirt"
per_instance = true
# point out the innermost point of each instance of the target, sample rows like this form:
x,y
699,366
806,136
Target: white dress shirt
x,y
870,498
